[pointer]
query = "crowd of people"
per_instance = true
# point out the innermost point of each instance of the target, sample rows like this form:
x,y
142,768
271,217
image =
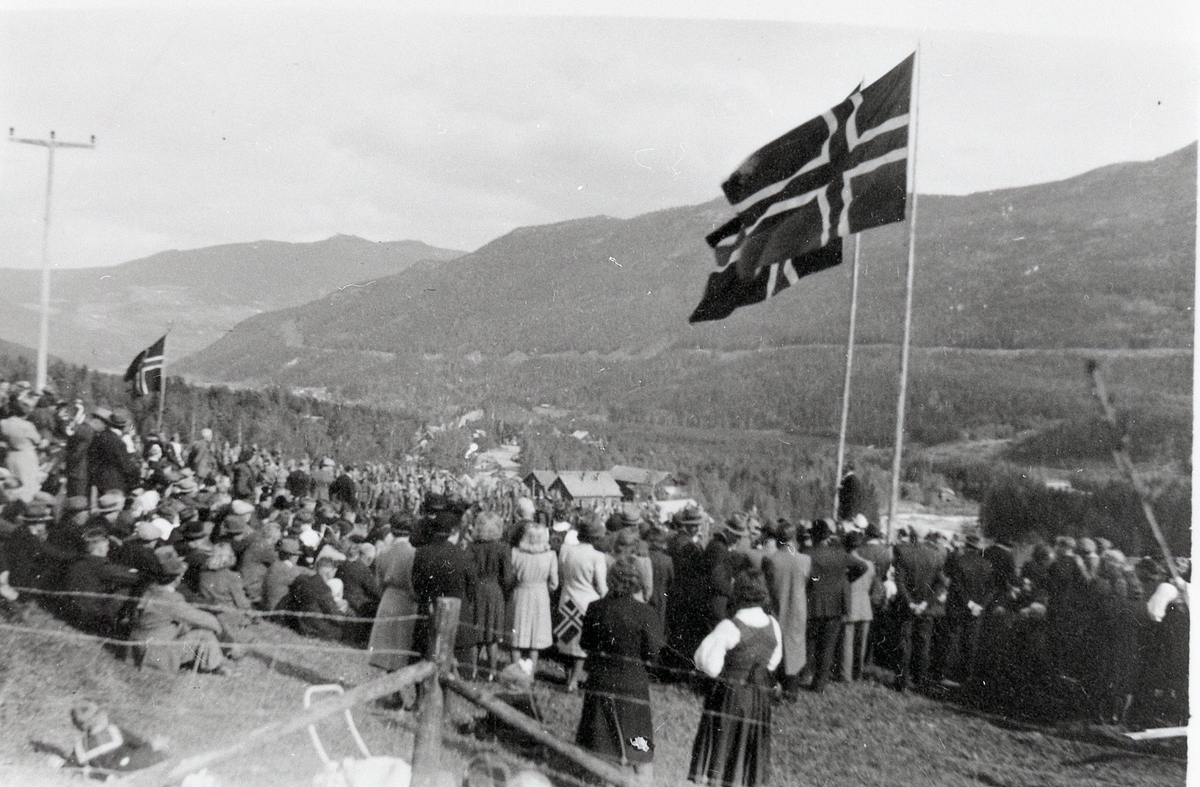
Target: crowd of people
x,y
181,550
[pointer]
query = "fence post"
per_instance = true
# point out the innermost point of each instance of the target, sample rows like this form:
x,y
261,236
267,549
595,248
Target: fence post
x,y
427,749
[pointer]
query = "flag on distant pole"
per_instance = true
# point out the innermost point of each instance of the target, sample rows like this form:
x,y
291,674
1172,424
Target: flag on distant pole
x,y
842,172
147,369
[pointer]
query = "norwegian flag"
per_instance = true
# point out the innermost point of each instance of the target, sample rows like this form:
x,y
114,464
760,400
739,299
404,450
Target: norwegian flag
x,y
146,370
842,172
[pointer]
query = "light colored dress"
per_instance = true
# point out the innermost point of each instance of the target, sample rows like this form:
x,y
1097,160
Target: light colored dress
x,y
392,635
536,574
584,573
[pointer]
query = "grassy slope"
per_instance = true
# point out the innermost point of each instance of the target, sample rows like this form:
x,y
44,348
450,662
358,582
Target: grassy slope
x,y
853,735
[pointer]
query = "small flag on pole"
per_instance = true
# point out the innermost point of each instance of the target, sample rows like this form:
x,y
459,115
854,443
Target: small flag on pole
x,y
146,370
842,172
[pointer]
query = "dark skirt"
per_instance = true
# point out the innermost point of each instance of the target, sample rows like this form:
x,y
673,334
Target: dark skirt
x,y
616,728
491,621
733,744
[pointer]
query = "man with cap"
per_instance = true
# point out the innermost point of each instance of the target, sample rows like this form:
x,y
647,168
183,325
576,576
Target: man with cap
x,y
108,507
687,618
111,466
722,560
833,569
32,562
96,580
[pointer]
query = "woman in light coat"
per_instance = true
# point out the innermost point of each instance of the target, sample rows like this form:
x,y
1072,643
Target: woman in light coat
x,y
584,573
787,571
535,573
392,634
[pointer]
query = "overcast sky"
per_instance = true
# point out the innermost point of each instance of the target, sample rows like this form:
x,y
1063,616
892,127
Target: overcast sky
x,y
218,124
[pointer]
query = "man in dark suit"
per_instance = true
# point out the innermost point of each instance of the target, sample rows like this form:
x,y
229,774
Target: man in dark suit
x,y
969,595
920,600
442,569
310,593
833,569
111,466
76,455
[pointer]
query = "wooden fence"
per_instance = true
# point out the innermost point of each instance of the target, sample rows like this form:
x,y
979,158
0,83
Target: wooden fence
x,y
434,675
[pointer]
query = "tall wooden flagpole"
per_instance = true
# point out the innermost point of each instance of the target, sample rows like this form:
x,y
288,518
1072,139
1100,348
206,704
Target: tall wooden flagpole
x,y
894,504
841,449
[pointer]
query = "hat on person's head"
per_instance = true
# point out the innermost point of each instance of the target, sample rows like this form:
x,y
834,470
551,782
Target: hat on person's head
x,y
526,511
117,419
442,524
93,534
76,503
860,521
304,518
241,508
330,552
627,517
559,526
36,514
186,486
289,546
195,530
189,514
327,462
973,539
170,564
736,526
235,525
690,518
102,414
592,527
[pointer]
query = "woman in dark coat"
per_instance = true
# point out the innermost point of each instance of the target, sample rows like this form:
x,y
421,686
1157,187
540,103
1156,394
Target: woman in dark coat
x,y
622,635
733,745
493,566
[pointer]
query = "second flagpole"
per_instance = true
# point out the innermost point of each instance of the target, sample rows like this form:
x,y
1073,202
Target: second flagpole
x,y
894,503
841,449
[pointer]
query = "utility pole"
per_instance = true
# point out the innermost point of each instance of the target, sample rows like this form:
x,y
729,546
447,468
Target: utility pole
x,y
44,331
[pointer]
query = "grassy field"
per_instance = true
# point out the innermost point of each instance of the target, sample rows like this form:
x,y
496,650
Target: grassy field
x,y
859,734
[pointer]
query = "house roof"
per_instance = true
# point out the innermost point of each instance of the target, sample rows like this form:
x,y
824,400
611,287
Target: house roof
x,y
624,474
543,477
588,483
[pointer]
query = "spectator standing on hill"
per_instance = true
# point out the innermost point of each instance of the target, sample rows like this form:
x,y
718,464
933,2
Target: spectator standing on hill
x,y
535,574
23,440
583,571
392,634
970,594
443,569
832,572
787,571
202,457
856,625
322,478
687,617
492,558
621,635
112,467
920,600
76,455
733,744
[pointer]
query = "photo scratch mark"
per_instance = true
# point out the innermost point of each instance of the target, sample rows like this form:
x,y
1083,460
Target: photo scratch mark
x,y
348,286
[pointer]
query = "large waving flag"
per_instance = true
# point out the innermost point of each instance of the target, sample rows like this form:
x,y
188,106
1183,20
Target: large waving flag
x,y
146,370
842,172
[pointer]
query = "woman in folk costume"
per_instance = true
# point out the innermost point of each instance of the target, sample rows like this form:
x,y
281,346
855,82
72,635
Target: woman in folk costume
x,y
733,745
493,566
787,570
172,632
622,635
392,634
583,570
535,572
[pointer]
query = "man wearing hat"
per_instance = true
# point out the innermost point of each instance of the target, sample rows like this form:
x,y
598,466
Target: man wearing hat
x,y
686,619
920,600
969,575
721,563
76,455
32,562
202,456
93,577
442,569
833,569
111,465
